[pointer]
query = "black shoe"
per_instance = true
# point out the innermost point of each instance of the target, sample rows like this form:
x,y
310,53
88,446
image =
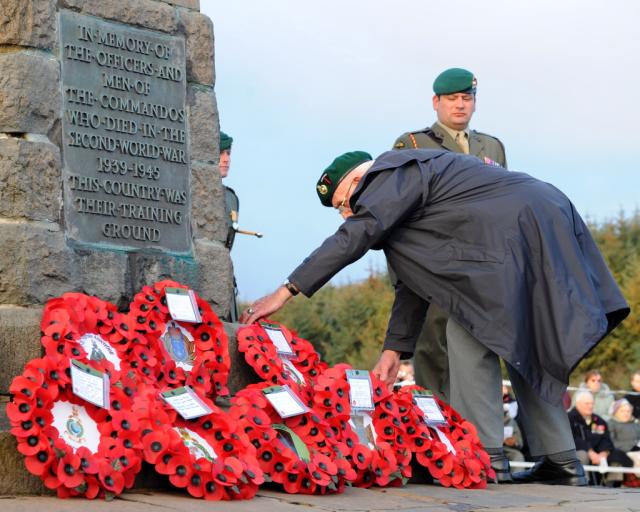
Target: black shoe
x,y
500,465
546,471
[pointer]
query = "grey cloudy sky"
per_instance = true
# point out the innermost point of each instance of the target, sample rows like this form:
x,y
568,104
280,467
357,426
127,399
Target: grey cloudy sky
x,y
300,82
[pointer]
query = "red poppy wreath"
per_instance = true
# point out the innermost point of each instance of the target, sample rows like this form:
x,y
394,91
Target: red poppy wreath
x,y
76,448
377,441
451,452
85,328
193,354
301,453
209,456
277,355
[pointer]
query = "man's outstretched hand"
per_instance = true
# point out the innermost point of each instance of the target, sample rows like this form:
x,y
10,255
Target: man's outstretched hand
x,y
386,369
265,306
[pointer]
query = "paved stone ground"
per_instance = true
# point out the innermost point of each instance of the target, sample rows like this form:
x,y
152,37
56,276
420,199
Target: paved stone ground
x,y
504,498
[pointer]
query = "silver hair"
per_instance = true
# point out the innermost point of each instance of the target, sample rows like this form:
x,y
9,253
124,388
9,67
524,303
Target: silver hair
x,y
582,394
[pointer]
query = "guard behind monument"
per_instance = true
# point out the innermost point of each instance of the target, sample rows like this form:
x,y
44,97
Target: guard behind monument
x,y
454,102
231,206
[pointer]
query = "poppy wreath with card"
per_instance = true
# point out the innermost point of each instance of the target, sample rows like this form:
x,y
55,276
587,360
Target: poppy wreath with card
x,y
385,459
75,447
469,467
301,453
262,355
190,354
210,456
78,326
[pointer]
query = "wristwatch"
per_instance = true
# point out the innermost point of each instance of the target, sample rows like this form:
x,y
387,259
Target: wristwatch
x,y
291,287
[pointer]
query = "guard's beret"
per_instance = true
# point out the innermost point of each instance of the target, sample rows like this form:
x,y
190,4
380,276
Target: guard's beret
x,y
454,80
225,141
339,168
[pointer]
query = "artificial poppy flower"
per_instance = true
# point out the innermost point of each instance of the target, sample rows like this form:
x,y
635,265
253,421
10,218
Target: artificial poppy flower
x,y
182,471
112,479
154,444
212,490
69,470
38,463
88,460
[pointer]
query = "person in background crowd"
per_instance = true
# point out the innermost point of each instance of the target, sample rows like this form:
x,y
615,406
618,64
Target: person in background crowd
x,y
513,443
510,403
593,441
634,397
602,395
232,206
454,102
405,374
625,429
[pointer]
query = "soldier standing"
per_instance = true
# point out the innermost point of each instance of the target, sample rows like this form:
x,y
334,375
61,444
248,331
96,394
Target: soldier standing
x,y
232,206
454,102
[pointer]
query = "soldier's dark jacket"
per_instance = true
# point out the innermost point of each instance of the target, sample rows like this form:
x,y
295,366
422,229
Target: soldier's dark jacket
x,y
506,255
484,146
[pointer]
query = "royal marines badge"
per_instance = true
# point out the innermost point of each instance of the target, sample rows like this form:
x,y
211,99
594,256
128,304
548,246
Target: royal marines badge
x,y
323,189
74,428
197,445
399,145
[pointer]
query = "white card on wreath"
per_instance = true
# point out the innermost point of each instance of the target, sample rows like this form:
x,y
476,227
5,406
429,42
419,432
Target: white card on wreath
x,y
187,402
182,305
429,407
277,338
360,390
284,401
90,384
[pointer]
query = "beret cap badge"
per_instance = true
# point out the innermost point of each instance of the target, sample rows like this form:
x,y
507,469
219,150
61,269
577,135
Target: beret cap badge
x,y
333,175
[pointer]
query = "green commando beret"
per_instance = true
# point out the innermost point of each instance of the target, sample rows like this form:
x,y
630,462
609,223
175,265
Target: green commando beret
x,y
339,168
225,141
455,80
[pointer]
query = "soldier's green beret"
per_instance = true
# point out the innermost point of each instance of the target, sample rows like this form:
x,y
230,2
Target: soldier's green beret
x,y
225,141
454,80
339,168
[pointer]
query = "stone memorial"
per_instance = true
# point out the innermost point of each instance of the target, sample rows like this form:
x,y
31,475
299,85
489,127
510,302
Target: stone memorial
x,y
109,174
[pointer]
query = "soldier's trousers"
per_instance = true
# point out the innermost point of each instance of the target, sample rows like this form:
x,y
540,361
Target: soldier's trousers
x,y
476,393
430,359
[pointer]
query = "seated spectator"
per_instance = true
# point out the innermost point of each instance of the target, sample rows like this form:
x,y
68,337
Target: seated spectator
x,y
593,442
602,395
405,374
625,429
512,437
634,397
509,402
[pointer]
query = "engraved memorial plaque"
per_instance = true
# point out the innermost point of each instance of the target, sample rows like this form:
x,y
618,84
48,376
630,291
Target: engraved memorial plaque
x,y
125,136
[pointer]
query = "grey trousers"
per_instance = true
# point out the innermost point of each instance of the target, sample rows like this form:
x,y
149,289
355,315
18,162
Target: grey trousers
x,y
430,359
476,393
